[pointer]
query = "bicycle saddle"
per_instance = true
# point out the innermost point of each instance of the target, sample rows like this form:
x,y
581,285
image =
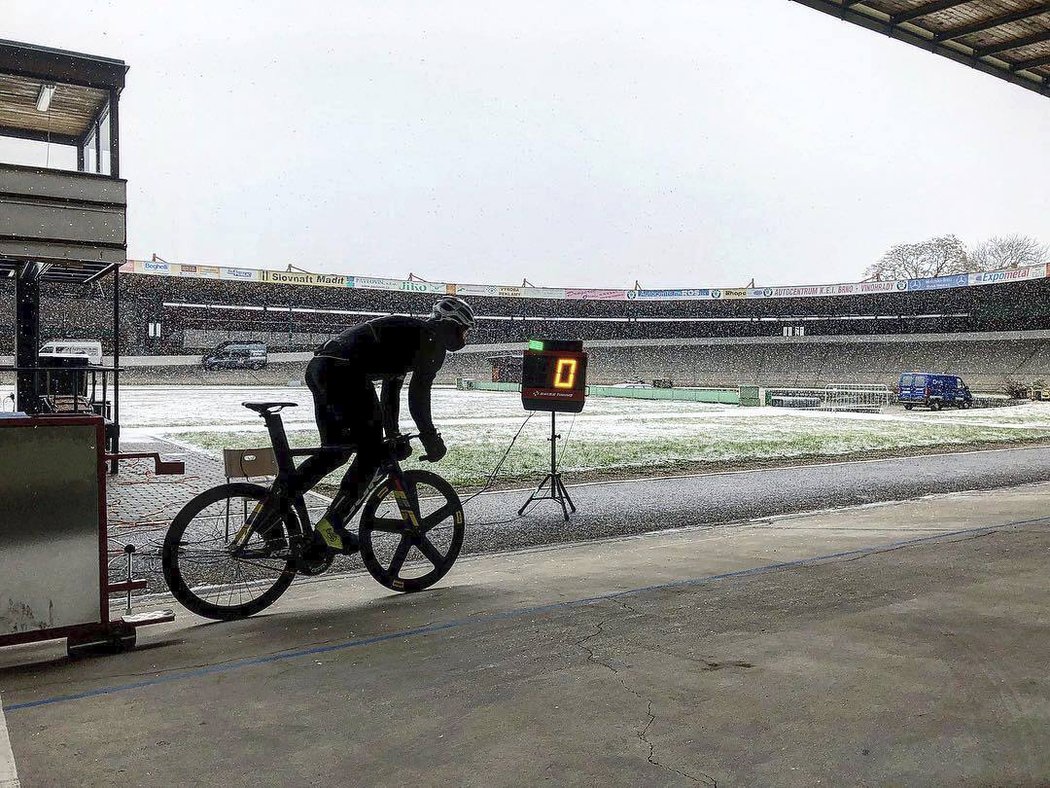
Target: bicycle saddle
x,y
263,408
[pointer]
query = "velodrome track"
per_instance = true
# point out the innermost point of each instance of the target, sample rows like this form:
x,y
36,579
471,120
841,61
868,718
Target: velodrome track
x,y
624,508
615,509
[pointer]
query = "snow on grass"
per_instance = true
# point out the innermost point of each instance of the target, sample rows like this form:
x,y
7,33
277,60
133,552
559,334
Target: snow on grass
x,y
611,434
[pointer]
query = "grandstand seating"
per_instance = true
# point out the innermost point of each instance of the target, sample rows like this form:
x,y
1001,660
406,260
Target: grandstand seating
x,y
986,364
699,342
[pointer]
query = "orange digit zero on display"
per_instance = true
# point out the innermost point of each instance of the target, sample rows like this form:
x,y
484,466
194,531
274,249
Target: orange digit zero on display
x,y
565,373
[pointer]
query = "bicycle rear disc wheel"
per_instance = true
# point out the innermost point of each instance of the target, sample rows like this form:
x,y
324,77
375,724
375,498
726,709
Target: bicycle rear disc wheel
x,y
400,555
202,571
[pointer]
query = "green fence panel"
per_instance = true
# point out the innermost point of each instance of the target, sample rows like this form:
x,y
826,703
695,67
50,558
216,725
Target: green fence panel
x,y
705,395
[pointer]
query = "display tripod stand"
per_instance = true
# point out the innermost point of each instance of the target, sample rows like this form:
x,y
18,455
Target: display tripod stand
x,y
552,481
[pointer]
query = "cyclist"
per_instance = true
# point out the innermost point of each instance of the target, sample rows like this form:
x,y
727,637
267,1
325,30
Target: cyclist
x,y
341,377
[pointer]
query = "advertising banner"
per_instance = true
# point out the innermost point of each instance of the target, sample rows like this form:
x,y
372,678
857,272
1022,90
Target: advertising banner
x,y
200,271
1008,275
438,288
300,278
882,287
161,268
590,294
477,290
543,292
810,291
372,283
939,282
733,292
677,294
158,268
240,274
401,285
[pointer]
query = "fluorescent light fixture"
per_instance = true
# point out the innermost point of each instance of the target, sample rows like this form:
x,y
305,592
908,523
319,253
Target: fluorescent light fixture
x,y
43,98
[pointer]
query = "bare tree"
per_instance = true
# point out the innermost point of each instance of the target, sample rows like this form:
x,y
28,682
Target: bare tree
x,y
1008,251
939,256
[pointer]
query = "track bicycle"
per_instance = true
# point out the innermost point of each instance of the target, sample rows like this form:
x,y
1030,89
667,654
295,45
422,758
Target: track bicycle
x,y
223,558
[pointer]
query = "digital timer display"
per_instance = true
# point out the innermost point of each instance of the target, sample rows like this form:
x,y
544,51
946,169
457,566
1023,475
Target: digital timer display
x,y
554,376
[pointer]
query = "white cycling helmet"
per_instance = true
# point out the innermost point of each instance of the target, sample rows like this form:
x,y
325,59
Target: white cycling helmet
x,y
455,309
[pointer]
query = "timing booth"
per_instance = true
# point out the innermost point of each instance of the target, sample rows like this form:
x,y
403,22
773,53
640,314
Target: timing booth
x,y
553,379
62,220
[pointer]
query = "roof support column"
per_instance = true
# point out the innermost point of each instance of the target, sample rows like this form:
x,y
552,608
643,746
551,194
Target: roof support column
x,y
114,433
114,134
27,337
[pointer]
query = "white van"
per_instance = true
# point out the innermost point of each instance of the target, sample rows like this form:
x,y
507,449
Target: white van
x,y
76,348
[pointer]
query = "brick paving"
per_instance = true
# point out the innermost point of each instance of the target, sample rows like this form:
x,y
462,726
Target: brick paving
x,y
141,505
138,498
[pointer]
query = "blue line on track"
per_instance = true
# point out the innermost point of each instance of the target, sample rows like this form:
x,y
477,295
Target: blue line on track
x,y
228,667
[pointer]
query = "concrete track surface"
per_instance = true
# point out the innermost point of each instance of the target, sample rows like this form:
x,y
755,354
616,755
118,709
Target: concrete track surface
x,y
633,507
900,643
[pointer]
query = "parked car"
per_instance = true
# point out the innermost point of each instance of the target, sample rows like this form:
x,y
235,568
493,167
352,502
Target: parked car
x,y
933,391
236,355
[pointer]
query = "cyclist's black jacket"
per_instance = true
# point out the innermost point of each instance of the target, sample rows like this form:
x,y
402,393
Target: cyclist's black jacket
x,y
387,349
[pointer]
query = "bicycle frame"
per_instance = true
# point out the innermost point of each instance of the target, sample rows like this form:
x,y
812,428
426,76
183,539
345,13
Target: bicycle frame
x,y
296,505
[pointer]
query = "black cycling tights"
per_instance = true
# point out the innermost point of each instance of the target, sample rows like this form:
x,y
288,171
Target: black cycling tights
x,y
348,412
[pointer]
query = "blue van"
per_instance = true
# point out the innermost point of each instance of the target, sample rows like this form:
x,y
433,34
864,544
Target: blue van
x,y
932,390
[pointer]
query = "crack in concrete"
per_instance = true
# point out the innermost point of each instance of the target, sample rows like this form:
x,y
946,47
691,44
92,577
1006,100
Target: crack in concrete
x,y
705,664
704,779
627,606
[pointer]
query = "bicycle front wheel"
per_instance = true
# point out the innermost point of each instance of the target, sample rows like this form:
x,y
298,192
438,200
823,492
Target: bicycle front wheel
x,y
207,574
410,556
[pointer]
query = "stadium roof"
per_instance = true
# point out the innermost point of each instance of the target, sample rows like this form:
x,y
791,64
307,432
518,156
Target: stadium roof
x,y
1009,39
82,89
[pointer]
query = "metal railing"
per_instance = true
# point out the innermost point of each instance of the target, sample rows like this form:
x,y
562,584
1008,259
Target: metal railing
x,y
834,397
64,390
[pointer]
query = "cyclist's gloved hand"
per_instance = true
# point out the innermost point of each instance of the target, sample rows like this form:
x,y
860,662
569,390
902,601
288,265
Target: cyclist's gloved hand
x,y
433,445
400,447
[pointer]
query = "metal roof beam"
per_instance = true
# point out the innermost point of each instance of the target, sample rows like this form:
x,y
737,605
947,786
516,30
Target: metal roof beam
x,y
1035,62
993,22
39,136
1015,43
925,10
857,17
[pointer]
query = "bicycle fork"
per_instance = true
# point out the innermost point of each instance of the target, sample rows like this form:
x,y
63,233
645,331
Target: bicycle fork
x,y
404,506
286,511
245,532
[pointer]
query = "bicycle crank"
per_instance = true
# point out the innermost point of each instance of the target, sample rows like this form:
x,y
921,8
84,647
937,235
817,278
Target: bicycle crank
x,y
313,560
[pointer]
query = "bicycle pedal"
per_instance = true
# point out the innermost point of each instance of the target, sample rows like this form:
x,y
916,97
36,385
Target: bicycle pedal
x,y
311,567
314,559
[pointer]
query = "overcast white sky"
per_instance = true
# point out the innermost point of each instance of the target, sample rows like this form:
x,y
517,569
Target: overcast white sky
x,y
689,143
